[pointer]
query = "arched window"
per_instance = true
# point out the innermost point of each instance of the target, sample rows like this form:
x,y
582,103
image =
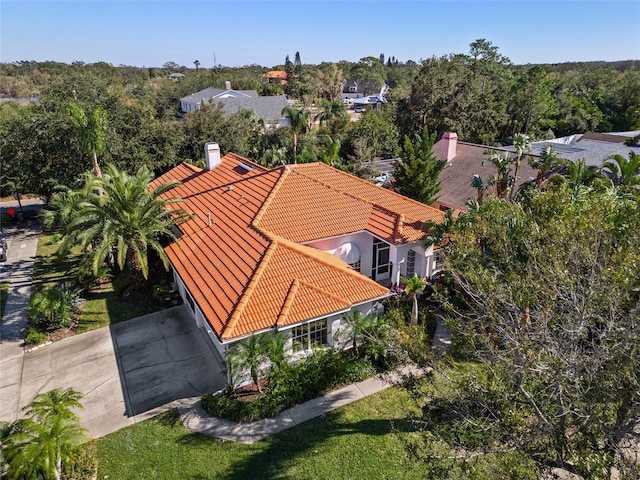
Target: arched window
x,y
349,253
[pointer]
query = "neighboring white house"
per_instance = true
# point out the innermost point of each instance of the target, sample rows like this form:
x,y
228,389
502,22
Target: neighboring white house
x,y
291,249
267,108
353,90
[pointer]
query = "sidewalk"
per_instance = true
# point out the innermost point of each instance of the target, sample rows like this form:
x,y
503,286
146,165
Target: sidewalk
x,y
22,242
194,417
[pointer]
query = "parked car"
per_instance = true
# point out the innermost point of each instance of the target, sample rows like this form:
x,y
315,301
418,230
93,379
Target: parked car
x,y
360,109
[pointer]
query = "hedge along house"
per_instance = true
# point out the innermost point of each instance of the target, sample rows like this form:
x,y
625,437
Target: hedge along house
x,y
291,249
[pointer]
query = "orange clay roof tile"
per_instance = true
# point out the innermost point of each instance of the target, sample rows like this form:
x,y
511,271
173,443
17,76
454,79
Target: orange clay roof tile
x,y
240,255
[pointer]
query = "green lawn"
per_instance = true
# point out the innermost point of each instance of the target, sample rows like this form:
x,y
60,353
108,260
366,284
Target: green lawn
x,y
102,306
4,290
363,440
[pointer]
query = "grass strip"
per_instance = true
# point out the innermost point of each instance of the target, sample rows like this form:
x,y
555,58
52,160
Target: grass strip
x,y
4,293
102,306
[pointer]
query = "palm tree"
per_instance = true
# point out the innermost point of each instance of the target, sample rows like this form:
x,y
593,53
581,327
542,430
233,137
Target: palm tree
x,y
51,307
197,64
478,184
299,124
331,154
38,450
274,348
54,403
370,330
438,232
622,171
60,209
91,130
329,111
127,219
547,162
414,286
523,145
37,446
503,180
579,174
247,354
357,322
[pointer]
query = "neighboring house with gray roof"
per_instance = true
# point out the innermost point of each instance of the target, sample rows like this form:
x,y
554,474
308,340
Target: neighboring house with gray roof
x,y
267,108
594,147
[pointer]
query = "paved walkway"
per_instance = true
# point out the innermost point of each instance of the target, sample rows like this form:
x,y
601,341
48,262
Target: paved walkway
x,y
194,417
442,337
22,243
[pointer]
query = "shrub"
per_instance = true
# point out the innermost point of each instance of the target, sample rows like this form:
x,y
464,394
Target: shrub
x,y
398,311
35,337
428,319
83,464
55,239
51,308
317,373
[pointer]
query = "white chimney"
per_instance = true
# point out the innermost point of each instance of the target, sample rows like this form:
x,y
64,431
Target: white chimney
x,y
227,85
448,143
212,154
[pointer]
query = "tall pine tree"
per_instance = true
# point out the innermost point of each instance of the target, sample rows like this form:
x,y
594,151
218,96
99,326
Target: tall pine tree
x,y
416,174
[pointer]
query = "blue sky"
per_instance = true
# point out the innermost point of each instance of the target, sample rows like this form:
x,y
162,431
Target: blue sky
x,y
150,33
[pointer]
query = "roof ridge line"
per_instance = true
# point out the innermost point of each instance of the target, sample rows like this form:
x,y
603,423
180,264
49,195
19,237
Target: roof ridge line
x,y
362,180
244,299
356,197
397,228
324,292
263,209
288,301
306,251
245,159
226,185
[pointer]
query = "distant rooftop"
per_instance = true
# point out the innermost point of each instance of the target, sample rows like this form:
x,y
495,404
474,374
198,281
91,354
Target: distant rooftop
x,y
594,147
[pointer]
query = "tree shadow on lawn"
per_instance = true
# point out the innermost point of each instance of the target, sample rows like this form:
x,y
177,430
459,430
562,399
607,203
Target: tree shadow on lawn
x,y
285,447
50,271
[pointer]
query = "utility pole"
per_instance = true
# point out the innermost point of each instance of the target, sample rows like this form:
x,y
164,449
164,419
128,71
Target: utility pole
x,y
215,63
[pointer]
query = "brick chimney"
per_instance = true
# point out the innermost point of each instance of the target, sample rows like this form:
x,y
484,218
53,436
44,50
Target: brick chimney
x,y
227,85
448,145
212,154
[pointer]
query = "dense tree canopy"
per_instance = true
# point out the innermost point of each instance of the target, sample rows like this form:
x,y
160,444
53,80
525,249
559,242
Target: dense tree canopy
x,y
416,173
550,301
480,95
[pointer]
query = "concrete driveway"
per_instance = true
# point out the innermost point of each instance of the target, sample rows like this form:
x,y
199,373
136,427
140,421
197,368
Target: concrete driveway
x,y
163,357
127,372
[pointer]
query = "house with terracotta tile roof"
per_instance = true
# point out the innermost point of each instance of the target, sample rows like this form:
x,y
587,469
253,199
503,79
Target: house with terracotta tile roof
x,y
276,76
291,249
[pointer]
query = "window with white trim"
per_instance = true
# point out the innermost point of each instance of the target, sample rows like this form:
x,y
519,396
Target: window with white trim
x,y
355,265
304,336
411,263
438,260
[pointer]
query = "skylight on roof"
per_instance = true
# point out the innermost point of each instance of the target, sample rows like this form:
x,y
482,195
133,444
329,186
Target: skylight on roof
x,y
245,167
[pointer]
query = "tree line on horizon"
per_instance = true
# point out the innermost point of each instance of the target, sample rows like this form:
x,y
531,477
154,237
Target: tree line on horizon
x,y
480,94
